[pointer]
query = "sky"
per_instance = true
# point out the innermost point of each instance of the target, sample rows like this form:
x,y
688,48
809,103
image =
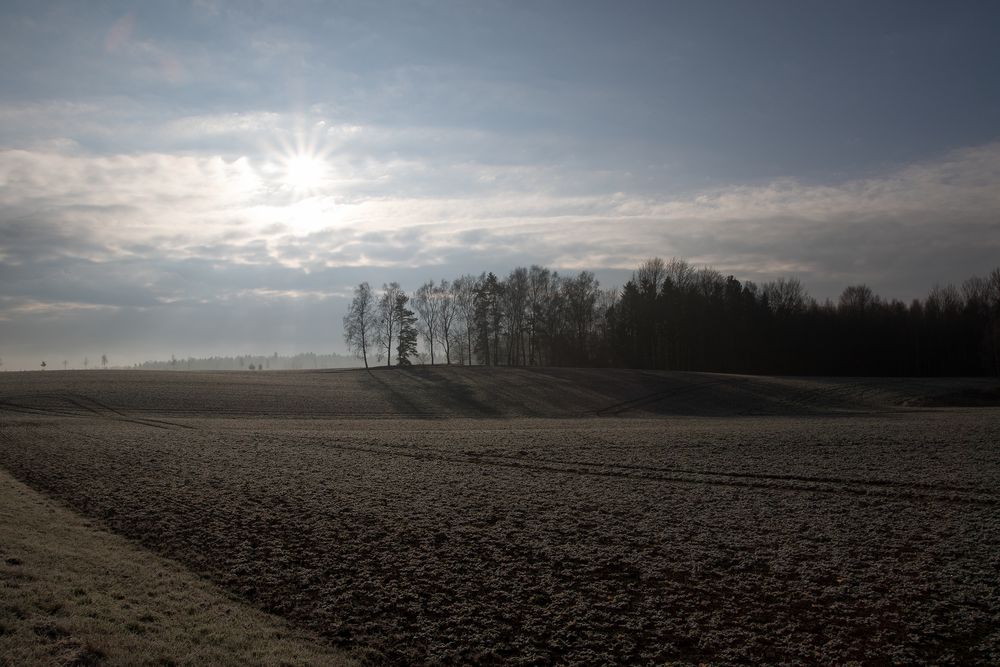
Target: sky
x,y
211,177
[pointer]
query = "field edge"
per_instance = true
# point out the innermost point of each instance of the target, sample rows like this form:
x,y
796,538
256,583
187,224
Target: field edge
x,y
73,593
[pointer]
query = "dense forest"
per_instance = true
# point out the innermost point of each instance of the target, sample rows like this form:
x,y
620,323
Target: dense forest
x,y
674,316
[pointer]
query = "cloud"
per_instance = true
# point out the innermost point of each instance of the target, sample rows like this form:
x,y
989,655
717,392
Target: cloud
x,y
150,237
239,210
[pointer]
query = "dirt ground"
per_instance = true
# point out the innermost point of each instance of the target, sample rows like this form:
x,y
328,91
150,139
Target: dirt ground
x,y
640,519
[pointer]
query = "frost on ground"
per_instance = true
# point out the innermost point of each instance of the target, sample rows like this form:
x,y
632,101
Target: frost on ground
x,y
851,535
74,596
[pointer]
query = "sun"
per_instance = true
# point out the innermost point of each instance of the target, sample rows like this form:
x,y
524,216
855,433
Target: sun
x,y
305,172
298,160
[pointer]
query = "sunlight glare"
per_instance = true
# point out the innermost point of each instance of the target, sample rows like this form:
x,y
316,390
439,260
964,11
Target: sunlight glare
x,y
305,172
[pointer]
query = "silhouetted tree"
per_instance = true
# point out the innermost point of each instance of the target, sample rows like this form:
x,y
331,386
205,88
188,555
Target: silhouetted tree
x,y
463,292
407,331
361,322
671,315
514,313
447,315
581,299
651,273
542,288
427,304
787,296
387,323
487,318
857,299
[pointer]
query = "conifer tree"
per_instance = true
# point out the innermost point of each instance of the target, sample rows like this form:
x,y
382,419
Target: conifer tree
x,y
406,322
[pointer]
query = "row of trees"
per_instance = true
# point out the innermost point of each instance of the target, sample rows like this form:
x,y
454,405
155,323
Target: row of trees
x,y
671,315
65,363
533,317
252,362
382,325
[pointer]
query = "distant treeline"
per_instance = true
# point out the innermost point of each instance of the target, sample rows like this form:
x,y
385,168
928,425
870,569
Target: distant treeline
x,y
674,316
251,362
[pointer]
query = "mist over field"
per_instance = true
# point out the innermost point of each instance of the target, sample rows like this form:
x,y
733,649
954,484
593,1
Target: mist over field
x,y
575,333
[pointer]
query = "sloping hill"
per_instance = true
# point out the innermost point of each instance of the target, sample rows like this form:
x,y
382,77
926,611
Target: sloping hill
x,y
469,392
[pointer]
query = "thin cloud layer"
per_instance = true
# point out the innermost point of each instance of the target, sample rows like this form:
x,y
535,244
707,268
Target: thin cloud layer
x,y
150,206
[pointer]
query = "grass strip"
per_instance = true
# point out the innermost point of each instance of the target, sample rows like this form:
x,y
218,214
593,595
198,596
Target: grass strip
x,y
74,594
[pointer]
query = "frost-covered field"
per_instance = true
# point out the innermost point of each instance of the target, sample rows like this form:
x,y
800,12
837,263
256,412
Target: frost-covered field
x,y
765,529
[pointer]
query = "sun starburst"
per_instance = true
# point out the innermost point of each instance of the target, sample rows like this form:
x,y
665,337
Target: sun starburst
x,y
301,162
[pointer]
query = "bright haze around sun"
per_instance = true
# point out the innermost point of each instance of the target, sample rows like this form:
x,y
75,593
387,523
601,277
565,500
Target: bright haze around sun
x,y
213,177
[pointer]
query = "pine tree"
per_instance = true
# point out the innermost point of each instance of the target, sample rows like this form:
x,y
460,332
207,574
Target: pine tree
x,y
407,331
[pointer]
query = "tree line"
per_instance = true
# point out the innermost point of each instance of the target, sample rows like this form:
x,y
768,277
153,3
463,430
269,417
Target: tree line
x,y
674,316
251,362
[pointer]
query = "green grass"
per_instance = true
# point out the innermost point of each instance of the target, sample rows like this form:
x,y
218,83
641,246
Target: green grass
x,y
72,594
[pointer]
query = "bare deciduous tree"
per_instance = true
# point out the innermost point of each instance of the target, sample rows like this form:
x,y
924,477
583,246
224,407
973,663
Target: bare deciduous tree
x,y
425,301
463,291
361,321
541,290
651,274
785,296
672,315
446,317
857,299
515,303
581,298
387,322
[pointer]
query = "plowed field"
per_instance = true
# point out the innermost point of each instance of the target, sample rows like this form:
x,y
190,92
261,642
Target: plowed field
x,y
464,515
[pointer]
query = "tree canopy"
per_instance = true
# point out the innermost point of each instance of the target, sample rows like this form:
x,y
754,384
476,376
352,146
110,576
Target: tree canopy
x,y
674,316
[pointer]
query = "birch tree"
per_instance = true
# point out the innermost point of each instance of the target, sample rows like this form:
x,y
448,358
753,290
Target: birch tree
x,y
387,322
425,301
361,322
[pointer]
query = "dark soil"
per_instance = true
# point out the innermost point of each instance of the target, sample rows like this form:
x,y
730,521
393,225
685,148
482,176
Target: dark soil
x,y
871,537
473,392
972,397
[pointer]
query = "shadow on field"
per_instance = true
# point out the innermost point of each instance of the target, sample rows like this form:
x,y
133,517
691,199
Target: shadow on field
x,y
454,393
432,392
400,401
